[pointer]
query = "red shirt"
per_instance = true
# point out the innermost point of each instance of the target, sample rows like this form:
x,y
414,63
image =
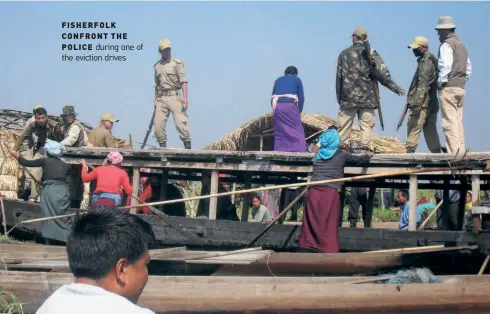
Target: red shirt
x,y
110,179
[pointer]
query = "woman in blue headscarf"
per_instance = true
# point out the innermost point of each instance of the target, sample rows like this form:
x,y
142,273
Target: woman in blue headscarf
x,y
55,194
322,211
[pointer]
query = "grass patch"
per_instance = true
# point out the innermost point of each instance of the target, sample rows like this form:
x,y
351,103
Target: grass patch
x,y
9,304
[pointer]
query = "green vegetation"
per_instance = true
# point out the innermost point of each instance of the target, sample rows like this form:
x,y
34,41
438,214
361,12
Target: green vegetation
x,y
9,304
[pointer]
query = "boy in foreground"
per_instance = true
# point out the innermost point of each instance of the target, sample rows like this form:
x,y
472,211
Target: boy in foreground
x,y
108,255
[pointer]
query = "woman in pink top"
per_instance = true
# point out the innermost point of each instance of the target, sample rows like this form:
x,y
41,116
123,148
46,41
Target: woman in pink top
x,y
111,178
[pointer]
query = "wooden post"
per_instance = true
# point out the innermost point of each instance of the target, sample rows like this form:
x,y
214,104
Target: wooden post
x,y
342,200
369,206
163,189
476,189
212,212
413,202
136,187
246,199
261,143
234,186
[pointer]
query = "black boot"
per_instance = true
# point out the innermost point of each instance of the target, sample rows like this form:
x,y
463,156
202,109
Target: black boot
x,y
187,144
444,150
352,223
163,144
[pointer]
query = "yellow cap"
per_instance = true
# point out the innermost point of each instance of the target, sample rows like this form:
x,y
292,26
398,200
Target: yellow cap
x,y
37,107
164,43
109,117
419,41
360,31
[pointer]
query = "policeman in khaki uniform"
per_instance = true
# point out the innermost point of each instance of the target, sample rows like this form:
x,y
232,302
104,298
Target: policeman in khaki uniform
x,y
169,79
38,128
355,91
73,135
101,136
423,99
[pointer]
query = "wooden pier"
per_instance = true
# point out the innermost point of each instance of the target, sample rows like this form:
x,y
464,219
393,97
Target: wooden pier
x,y
248,167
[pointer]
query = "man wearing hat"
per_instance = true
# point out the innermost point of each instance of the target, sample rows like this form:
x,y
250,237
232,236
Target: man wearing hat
x,y
101,136
423,99
455,69
169,79
38,129
73,135
355,90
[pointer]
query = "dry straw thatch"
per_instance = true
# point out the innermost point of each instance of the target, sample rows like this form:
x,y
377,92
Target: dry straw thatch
x,y
9,167
246,137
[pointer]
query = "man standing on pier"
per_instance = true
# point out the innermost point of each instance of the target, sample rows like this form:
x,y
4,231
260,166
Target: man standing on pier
x,y
169,79
355,90
454,71
422,99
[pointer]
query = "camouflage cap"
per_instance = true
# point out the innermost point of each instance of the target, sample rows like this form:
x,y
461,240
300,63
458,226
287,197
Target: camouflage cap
x,y
445,22
360,31
67,110
419,41
109,117
164,43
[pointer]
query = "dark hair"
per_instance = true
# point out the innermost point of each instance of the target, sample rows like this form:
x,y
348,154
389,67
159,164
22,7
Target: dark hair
x,y
40,111
404,193
452,30
104,235
291,70
256,196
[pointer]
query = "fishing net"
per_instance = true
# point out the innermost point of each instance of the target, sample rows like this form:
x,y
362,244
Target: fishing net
x,y
413,275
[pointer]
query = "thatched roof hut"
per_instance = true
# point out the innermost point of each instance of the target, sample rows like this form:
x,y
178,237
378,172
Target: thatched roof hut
x,y
248,136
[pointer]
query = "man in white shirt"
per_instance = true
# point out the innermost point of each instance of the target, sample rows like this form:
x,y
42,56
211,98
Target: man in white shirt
x,y
455,69
108,255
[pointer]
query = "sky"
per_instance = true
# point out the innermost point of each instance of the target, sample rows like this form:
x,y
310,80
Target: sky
x,y
232,53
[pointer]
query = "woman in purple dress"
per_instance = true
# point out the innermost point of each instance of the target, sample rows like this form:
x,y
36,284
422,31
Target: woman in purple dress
x,y
287,103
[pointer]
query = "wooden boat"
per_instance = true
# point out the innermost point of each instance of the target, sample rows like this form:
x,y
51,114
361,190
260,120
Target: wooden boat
x,y
221,234
460,294
248,262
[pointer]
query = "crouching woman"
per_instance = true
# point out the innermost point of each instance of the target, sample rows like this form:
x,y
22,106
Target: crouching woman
x,y
319,232
55,195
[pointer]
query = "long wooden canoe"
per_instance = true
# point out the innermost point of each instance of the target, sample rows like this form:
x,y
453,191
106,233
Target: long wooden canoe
x,y
467,294
249,262
222,234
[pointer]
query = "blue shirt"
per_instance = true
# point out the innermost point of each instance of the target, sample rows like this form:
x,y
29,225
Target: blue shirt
x,y
404,221
289,84
454,195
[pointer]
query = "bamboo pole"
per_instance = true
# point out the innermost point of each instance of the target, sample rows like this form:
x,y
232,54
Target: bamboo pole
x,y
287,208
368,280
483,267
362,177
4,219
430,215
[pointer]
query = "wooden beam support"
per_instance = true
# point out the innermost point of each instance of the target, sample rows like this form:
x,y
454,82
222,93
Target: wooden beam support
x,y
413,202
476,191
212,213
163,189
246,199
136,187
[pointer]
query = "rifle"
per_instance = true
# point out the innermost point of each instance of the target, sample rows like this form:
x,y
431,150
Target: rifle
x,y
403,115
374,82
404,112
151,120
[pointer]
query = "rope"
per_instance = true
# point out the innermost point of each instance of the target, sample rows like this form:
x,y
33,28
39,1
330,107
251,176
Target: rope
x,y
267,265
